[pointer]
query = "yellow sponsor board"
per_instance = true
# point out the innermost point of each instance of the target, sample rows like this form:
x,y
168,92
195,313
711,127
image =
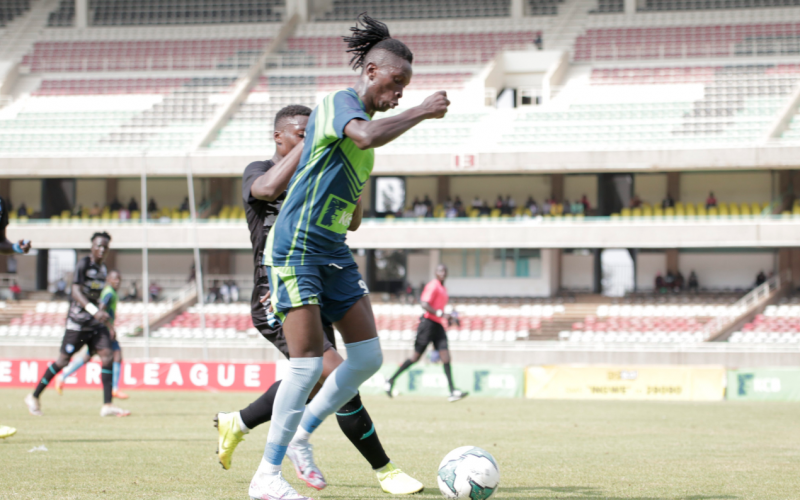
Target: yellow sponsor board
x,y
666,383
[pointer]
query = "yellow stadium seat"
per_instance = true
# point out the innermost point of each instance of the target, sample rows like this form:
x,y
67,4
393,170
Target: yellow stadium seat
x,y
390,217
755,209
679,206
658,212
670,212
796,210
625,212
786,213
765,205
735,210
136,215
713,212
701,211
615,216
528,212
691,211
723,210
636,212
647,211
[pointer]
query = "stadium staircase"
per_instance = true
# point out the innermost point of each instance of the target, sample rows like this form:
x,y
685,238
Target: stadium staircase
x,y
561,321
719,329
569,25
25,30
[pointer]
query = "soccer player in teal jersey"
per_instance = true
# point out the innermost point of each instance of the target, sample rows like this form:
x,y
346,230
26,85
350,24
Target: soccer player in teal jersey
x,y
312,272
108,303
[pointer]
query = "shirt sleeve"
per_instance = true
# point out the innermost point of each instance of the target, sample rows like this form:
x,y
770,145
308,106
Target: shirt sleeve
x,y
251,173
80,270
346,107
429,293
3,218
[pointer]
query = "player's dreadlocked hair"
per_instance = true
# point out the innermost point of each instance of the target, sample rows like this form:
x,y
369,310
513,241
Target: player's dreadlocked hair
x,y
289,112
101,235
373,34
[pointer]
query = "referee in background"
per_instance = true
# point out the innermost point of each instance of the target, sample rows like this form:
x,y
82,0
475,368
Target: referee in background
x,y
431,330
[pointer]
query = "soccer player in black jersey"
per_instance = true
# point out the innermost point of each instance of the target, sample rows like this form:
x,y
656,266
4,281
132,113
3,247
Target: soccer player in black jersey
x,y
85,326
263,191
7,248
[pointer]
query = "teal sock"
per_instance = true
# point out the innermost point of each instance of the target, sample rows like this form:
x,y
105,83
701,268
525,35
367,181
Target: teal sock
x,y
73,367
115,376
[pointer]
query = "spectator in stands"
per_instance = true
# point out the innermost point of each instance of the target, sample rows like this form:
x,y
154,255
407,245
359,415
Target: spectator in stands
x,y
668,202
636,202
152,207
577,207
16,291
660,285
133,206
567,207
95,211
451,212
711,201
22,211
511,205
679,282
115,206
155,291
61,288
458,205
485,210
234,288
586,205
225,292
428,206
185,205
532,205
499,204
538,42
761,278
693,284
669,281
132,294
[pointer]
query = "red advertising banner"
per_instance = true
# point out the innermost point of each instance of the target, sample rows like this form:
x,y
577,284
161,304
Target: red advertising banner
x,y
161,375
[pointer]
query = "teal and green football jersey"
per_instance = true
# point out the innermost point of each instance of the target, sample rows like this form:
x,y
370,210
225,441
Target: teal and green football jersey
x,y
312,225
109,297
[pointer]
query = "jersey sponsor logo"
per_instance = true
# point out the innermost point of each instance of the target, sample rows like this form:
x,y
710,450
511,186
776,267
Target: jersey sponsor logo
x,y
91,273
337,213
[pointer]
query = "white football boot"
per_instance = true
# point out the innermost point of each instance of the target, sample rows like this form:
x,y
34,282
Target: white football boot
x,y
302,456
266,486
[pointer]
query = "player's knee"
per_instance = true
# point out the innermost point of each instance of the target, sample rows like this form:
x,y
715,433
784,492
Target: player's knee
x,y
366,357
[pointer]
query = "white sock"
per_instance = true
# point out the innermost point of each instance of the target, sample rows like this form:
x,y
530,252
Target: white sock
x,y
301,436
239,420
268,469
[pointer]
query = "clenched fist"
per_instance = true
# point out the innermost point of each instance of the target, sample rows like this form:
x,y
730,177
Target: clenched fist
x,y
435,106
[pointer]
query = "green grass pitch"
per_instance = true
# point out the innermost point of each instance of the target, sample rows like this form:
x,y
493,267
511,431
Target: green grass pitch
x,y
545,449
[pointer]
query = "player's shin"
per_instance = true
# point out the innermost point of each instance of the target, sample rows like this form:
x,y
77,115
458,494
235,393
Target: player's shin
x,y
288,408
356,424
49,372
363,360
115,375
107,376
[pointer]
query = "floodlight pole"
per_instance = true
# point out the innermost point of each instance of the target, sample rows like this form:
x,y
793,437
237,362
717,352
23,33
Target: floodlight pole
x,y
145,257
198,267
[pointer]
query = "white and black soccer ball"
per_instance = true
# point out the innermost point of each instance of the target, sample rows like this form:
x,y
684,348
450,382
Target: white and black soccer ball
x,y
468,472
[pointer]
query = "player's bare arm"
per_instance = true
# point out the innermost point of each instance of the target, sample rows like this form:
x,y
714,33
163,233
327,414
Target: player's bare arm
x,y
358,214
377,133
81,299
274,182
8,247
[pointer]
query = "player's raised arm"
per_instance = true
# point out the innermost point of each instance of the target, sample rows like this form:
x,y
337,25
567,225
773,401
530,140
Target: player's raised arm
x,y
274,181
8,247
377,133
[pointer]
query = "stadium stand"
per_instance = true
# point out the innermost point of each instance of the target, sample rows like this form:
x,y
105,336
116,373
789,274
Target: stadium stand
x,y
9,9
779,324
681,42
345,10
672,5
170,12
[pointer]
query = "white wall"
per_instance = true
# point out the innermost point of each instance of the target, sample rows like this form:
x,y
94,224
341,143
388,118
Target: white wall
x,y
168,192
173,263
418,268
27,191
648,264
651,188
577,271
737,187
90,191
242,262
487,187
419,187
726,270
507,287
575,186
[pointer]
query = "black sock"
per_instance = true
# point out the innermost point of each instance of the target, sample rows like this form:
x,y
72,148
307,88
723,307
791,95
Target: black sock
x,y
359,429
107,376
49,372
260,410
400,370
449,376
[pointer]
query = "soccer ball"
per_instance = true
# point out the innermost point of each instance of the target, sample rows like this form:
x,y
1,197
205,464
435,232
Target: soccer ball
x,y
468,472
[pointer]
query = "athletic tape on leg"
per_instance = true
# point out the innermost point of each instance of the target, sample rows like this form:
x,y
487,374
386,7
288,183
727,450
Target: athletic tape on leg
x,y
364,359
302,375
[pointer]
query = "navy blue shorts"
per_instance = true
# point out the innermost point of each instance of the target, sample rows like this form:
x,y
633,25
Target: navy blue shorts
x,y
335,288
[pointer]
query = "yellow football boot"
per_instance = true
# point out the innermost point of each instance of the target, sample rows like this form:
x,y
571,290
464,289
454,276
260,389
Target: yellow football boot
x,y
6,432
230,435
396,482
